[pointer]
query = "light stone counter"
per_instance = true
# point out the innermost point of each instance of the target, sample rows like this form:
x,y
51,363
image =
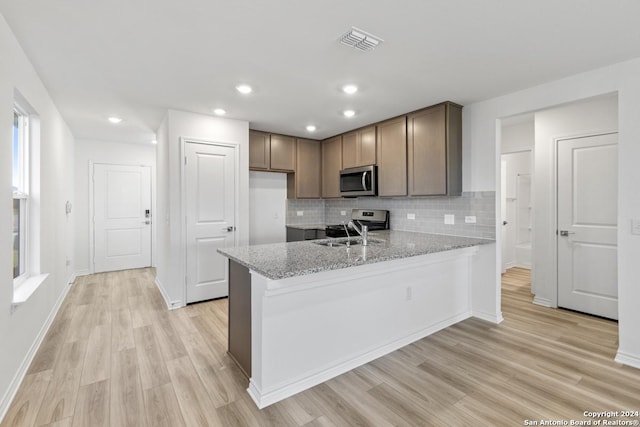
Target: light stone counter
x,y
307,226
283,260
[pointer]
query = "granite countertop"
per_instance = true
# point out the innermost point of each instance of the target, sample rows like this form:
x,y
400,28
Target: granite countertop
x,y
307,226
282,260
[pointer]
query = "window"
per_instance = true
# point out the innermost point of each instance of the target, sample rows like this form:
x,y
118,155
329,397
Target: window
x,y
20,163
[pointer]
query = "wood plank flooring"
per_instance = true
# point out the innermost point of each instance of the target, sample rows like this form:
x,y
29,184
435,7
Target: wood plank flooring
x,y
115,356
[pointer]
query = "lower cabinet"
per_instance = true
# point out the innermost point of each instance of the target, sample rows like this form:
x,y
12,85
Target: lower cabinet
x,y
295,234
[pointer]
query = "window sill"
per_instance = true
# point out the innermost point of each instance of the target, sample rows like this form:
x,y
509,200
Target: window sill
x,y
24,290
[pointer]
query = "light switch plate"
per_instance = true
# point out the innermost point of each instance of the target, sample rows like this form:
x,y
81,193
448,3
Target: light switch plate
x,y
470,219
635,226
411,216
449,219
300,213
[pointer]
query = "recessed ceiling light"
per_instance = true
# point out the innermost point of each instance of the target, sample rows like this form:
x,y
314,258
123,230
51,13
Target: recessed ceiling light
x,y
219,112
311,128
244,89
349,113
114,119
350,89
154,142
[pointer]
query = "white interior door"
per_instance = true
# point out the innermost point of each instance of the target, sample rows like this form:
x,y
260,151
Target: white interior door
x,y
587,224
210,218
121,217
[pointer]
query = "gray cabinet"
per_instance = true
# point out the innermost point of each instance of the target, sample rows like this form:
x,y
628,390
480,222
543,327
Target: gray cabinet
x,y
271,152
298,234
359,148
306,182
331,166
392,157
259,150
434,160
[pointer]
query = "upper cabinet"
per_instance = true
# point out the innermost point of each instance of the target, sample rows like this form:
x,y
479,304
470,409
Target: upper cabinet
x,y
306,182
435,151
392,157
418,154
331,166
271,152
283,153
359,148
259,150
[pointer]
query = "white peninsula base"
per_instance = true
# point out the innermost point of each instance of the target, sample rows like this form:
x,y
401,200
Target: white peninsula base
x,y
308,329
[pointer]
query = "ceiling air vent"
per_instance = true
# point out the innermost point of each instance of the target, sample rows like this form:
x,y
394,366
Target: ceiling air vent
x,y
359,39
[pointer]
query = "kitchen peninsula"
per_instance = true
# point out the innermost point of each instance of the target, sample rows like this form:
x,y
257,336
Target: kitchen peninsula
x,y
301,313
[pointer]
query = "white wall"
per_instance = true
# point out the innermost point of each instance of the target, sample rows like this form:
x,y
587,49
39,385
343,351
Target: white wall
x,y
103,152
267,207
177,125
481,148
22,330
518,137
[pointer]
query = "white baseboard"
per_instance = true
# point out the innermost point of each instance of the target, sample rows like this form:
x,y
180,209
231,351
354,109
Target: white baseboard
x,y
171,305
82,273
543,302
489,317
628,359
263,399
72,278
10,394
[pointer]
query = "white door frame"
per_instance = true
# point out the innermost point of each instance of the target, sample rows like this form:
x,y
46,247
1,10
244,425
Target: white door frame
x,y
183,201
92,163
553,302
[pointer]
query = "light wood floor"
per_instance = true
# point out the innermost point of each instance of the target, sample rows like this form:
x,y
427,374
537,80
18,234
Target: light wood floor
x,y
115,356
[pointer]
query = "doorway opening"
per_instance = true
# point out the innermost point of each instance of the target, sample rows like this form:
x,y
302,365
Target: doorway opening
x,y
557,245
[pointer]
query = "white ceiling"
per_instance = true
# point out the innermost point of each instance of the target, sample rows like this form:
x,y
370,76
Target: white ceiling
x,y
136,59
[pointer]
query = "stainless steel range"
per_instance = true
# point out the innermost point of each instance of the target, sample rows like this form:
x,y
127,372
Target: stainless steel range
x,y
374,219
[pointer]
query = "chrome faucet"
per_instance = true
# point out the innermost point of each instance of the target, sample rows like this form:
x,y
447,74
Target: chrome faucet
x,y
363,231
346,230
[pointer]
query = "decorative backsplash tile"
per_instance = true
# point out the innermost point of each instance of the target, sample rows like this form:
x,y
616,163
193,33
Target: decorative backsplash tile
x,y
429,212
312,211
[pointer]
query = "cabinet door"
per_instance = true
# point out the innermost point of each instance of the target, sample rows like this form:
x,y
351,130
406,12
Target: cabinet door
x,y
435,151
359,148
331,166
350,150
309,169
392,157
259,150
367,146
283,153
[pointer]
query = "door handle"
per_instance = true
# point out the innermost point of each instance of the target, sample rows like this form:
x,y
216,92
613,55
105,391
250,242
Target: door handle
x,y
364,181
229,229
565,233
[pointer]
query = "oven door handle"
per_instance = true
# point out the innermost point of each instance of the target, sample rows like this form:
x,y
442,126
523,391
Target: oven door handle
x,y
364,181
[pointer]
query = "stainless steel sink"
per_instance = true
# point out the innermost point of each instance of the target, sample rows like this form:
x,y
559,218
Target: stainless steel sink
x,y
342,243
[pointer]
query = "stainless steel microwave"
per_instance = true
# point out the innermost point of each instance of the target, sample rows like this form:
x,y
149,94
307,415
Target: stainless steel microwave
x,y
362,181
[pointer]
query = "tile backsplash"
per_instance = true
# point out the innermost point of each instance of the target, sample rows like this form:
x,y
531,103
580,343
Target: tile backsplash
x,y
312,211
429,212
